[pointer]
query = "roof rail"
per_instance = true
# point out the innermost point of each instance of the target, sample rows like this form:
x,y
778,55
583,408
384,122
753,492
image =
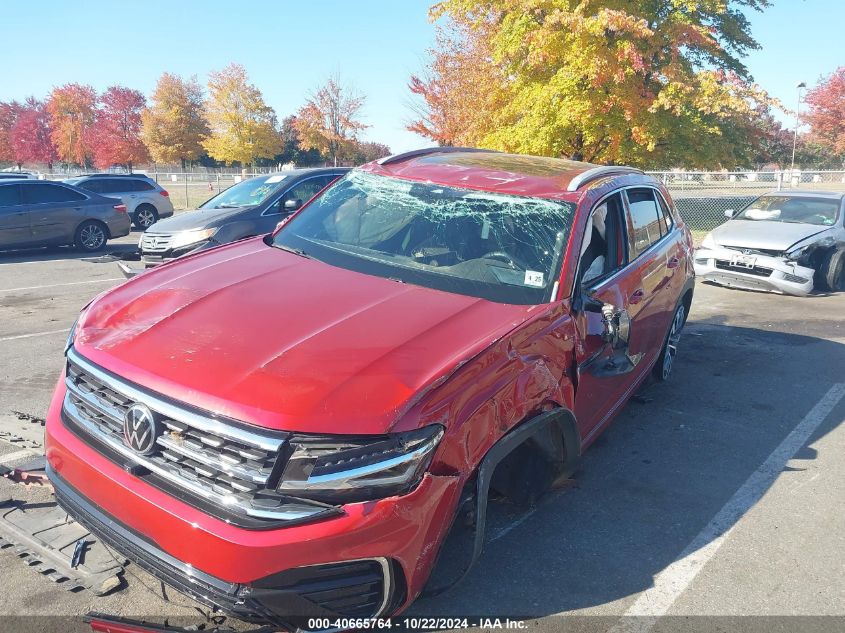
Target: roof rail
x,y
397,158
599,172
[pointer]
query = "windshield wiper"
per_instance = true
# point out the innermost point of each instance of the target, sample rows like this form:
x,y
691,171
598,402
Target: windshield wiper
x,y
295,251
227,205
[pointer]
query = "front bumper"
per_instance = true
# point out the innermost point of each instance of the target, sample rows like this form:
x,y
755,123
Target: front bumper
x,y
769,274
266,575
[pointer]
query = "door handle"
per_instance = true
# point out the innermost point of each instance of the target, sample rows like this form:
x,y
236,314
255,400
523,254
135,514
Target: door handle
x,y
673,262
636,296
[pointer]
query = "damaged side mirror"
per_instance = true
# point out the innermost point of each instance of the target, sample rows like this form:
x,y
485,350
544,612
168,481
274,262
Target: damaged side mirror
x,y
617,326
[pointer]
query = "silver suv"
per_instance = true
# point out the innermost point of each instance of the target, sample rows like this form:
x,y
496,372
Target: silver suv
x,y
146,201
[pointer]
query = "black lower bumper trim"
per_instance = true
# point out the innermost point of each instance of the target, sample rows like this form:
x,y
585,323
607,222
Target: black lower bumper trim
x,y
198,585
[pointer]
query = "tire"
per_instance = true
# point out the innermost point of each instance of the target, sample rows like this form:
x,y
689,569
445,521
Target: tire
x,y
831,273
663,367
91,236
145,216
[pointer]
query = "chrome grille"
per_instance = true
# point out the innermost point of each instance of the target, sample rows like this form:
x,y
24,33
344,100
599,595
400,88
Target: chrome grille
x,y
156,242
215,460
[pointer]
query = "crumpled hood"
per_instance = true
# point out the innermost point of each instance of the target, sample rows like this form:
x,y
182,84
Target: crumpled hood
x,y
198,219
261,335
763,234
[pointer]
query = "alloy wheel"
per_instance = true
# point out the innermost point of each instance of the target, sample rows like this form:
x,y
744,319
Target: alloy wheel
x,y
92,237
144,218
672,341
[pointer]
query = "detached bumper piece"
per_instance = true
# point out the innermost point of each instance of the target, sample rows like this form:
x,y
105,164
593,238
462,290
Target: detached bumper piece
x,y
361,589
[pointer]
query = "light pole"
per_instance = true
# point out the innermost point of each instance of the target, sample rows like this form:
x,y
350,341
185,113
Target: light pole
x,y
800,87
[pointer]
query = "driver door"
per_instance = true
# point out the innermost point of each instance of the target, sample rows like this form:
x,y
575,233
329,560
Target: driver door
x,y
607,372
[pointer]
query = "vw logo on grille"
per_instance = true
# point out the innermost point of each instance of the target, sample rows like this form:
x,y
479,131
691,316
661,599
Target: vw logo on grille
x,y
140,429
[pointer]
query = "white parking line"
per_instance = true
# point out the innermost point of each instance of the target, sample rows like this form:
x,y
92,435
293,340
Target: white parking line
x,y
20,336
674,580
8,458
69,283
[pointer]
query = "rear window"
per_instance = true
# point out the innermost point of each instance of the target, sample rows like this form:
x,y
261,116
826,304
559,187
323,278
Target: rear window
x,y
43,192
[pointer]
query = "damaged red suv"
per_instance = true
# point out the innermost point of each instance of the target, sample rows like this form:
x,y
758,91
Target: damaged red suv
x,y
292,426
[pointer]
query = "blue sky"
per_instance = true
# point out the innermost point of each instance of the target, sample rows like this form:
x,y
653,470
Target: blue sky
x,y
289,48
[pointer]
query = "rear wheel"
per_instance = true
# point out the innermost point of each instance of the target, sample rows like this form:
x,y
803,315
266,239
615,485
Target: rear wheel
x,y
663,368
145,216
91,236
831,273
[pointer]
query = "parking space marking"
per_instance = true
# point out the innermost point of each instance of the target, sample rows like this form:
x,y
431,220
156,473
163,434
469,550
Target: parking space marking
x,y
69,283
10,457
674,580
34,334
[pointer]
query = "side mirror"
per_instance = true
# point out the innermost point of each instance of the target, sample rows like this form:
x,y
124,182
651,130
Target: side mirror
x,y
293,204
729,213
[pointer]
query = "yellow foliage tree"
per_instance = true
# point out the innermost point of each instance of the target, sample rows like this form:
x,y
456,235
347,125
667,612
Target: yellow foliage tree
x,y
242,126
645,82
174,125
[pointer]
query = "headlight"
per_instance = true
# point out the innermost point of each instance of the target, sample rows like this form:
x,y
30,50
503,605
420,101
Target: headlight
x,y
345,470
71,336
186,238
709,242
798,253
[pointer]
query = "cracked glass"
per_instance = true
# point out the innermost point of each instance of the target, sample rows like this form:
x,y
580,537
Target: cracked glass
x,y
498,247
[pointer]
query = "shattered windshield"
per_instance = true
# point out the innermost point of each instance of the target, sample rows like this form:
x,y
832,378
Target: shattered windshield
x,y
246,193
498,247
794,209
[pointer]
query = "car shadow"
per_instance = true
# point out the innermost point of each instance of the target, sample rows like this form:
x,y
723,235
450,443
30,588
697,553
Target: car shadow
x,y
655,478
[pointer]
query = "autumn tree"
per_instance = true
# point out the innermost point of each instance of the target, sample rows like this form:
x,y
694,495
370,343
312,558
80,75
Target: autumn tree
x,y
242,126
30,136
292,150
116,133
72,110
365,152
827,114
8,116
174,126
329,120
648,82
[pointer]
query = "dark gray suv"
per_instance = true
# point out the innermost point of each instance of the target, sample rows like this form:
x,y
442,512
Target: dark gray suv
x,y
252,207
40,213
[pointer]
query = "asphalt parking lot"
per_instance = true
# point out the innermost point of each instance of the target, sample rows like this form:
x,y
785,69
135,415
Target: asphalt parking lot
x,y
717,494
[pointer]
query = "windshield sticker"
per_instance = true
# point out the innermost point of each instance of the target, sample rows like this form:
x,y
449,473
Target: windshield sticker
x,y
274,179
534,278
485,229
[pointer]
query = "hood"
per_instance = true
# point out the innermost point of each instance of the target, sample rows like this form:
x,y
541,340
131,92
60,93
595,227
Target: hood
x,y
264,336
198,219
762,234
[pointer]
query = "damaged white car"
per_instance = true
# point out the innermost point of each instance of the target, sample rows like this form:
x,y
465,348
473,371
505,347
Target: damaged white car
x,y
784,241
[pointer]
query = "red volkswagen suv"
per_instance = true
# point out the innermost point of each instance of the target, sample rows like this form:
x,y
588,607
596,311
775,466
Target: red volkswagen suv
x,y
289,426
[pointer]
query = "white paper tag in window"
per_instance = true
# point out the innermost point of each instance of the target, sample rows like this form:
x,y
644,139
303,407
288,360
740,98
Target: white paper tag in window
x,y
533,278
485,229
274,179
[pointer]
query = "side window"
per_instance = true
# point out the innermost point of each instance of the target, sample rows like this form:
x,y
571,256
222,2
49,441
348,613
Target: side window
x,y
41,193
644,221
665,215
92,185
115,185
142,185
302,192
603,246
10,196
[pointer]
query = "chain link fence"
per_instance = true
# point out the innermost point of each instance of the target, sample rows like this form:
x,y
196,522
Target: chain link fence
x,y
701,196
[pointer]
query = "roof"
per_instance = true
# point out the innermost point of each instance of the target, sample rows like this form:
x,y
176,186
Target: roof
x,y
804,193
514,174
